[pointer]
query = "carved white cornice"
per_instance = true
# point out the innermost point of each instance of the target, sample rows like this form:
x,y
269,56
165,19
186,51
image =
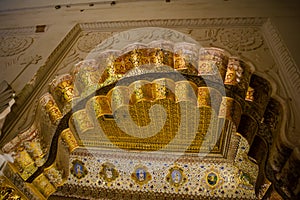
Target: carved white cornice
x,y
203,22
28,30
289,74
287,64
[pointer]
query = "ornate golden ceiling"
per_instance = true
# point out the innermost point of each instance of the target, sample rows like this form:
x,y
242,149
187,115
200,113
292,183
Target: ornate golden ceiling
x,y
153,119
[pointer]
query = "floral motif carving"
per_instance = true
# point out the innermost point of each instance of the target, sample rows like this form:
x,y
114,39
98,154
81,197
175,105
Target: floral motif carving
x,y
26,62
204,34
90,40
289,69
241,39
13,45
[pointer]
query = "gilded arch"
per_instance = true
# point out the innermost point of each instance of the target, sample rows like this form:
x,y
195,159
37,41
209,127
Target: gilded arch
x,y
281,164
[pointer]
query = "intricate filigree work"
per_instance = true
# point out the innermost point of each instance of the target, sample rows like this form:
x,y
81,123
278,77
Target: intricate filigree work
x,y
36,151
62,88
51,108
54,175
186,58
80,122
15,181
43,185
8,191
211,60
68,137
238,74
230,109
25,164
88,41
111,113
86,76
248,170
246,39
259,95
209,97
158,165
182,57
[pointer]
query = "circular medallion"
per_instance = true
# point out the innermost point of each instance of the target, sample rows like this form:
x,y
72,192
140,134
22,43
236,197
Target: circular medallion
x,y
78,169
176,177
108,172
212,178
140,175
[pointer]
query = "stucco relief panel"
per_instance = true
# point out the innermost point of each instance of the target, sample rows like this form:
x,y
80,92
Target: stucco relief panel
x,y
246,42
241,39
13,45
88,40
85,43
15,53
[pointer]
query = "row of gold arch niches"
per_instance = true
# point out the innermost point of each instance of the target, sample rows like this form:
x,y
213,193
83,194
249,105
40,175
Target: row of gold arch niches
x,y
132,80
199,88
210,93
187,120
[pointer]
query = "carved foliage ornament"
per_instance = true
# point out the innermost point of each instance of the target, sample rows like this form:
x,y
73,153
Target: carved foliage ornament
x,y
12,45
88,41
241,39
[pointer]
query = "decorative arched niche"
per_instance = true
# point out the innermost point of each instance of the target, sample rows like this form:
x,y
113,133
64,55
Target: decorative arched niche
x,y
210,107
